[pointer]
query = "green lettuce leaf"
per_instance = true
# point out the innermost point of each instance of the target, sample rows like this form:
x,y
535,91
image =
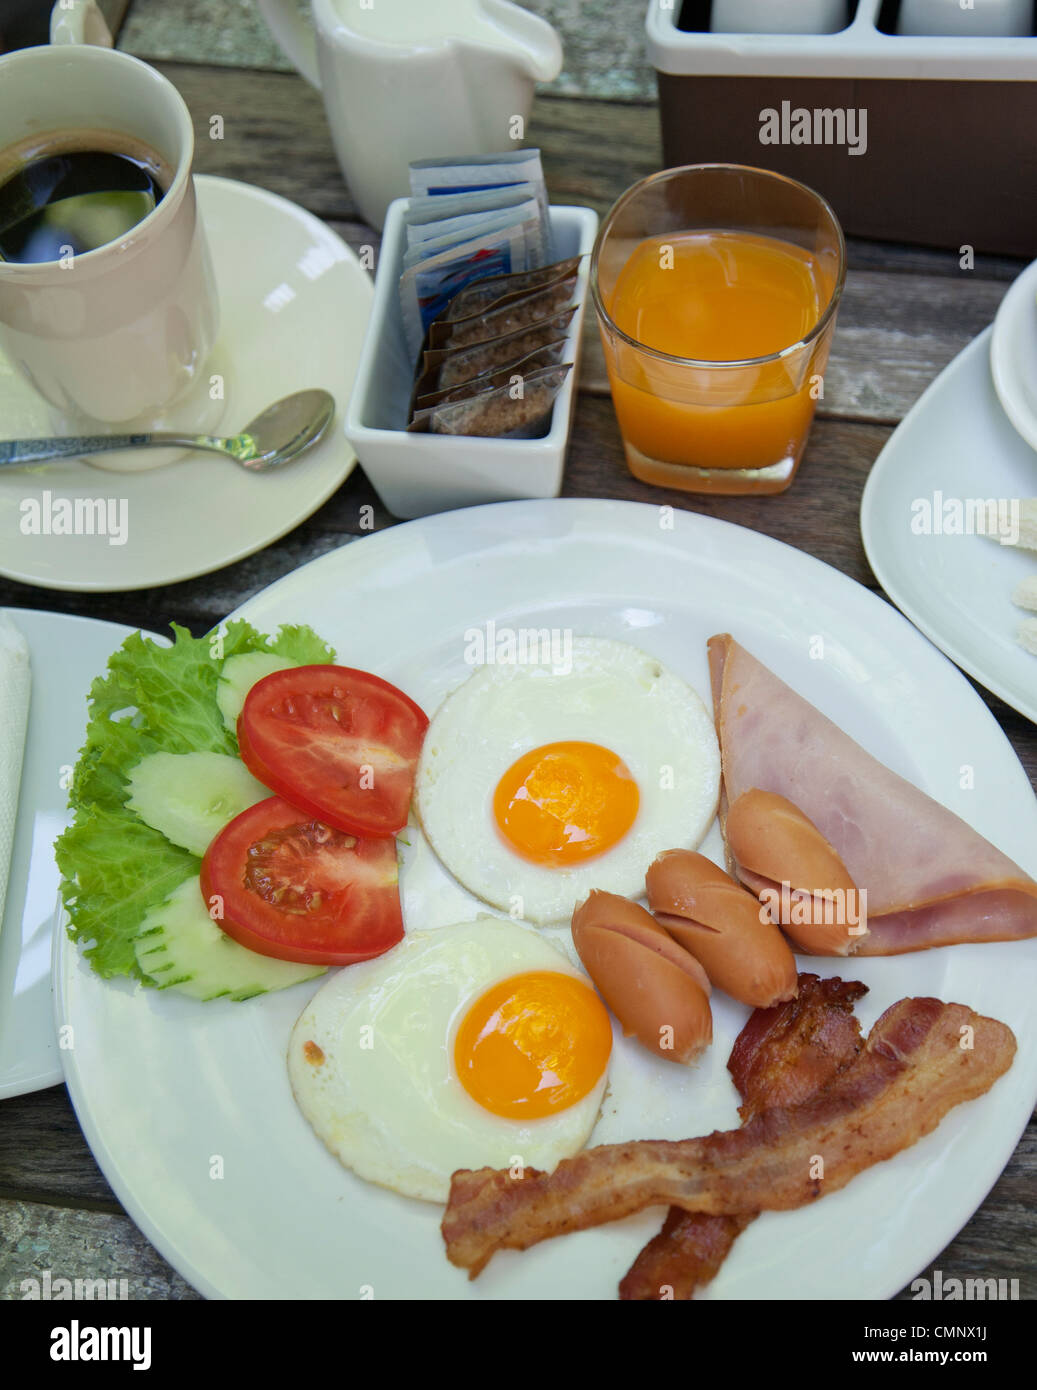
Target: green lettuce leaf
x,y
153,698
114,869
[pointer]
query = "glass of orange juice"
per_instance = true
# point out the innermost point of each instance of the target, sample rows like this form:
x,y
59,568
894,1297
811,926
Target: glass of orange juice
x,y
716,288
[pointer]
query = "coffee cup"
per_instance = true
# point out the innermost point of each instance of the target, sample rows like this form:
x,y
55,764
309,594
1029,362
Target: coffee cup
x,y
118,334
414,79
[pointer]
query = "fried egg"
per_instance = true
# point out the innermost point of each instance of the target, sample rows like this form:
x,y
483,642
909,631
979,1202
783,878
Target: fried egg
x,y
537,784
470,1046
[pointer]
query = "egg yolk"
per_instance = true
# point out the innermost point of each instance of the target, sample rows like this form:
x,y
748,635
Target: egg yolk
x,y
565,802
533,1045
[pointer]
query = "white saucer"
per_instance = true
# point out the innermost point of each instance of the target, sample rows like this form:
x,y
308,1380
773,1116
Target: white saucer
x,y
66,654
956,443
294,305
1013,355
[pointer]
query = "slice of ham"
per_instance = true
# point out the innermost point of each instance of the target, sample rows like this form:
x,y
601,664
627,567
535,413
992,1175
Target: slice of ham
x,y
914,1068
931,879
783,1055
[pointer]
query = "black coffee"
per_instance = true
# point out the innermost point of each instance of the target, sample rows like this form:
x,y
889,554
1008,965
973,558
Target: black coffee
x,y
74,201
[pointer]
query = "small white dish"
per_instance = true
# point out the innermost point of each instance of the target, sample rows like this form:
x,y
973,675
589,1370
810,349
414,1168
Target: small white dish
x,y
1013,355
415,474
294,303
66,654
955,442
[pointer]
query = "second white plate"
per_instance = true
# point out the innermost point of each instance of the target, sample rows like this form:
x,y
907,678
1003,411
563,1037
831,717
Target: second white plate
x,y
953,447
65,654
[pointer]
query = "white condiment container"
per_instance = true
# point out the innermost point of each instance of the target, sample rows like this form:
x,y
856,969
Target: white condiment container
x,y
416,474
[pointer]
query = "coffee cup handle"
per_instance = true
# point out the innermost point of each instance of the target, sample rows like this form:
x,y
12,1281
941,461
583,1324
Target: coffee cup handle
x,y
296,37
79,21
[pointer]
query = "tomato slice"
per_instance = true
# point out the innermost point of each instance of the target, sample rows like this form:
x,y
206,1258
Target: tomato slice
x,y
291,887
338,743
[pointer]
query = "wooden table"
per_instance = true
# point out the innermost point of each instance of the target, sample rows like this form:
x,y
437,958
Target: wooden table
x,y
906,314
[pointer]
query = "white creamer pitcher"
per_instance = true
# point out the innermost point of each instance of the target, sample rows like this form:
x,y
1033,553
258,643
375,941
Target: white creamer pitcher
x,y
412,79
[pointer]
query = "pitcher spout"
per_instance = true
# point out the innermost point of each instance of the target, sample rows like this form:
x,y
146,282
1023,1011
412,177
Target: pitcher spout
x,y
533,44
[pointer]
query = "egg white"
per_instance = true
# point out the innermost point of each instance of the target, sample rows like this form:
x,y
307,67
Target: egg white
x,y
384,1096
614,695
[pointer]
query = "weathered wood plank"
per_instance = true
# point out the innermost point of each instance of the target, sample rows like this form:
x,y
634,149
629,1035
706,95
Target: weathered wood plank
x,y
820,510
602,40
818,513
43,1155
276,135
89,1245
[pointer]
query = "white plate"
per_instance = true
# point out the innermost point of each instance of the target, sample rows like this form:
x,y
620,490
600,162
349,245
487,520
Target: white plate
x,y
955,441
294,305
285,1220
66,654
1013,354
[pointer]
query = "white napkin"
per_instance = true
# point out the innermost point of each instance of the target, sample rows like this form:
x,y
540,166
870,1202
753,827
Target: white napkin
x,y
14,716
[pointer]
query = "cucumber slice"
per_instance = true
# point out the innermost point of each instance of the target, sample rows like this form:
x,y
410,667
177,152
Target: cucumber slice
x,y
190,797
180,947
239,675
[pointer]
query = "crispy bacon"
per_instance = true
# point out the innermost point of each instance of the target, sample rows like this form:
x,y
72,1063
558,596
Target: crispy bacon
x,y
787,1054
686,1254
917,1064
782,1056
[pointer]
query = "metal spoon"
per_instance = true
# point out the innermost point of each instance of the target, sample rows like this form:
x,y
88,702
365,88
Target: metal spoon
x,y
276,436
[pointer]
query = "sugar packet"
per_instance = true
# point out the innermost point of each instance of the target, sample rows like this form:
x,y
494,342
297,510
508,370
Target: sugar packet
x,y
521,410
428,287
452,175
428,217
514,312
548,356
488,294
523,215
443,367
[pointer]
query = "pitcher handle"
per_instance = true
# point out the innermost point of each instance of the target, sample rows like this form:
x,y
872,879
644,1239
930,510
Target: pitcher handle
x,y
296,37
79,21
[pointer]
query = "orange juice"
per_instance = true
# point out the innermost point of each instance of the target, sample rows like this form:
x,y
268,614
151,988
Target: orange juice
x,y
716,297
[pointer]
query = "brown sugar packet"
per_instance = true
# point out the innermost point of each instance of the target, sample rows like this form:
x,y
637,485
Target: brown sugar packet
x,y
512,315
445,367
499,414
483,295
548,356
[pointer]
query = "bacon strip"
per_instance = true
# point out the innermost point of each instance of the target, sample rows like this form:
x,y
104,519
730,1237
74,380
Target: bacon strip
x,y
782,1056
914,1068
787,1054
685,1255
